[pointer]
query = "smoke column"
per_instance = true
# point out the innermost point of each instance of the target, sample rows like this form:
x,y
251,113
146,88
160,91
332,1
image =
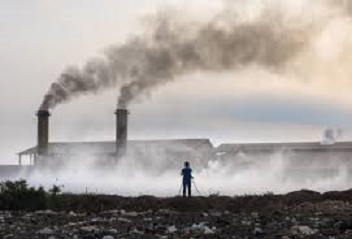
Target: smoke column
x,y
172,48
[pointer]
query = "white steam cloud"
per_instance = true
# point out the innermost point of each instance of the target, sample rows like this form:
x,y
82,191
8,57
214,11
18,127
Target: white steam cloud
x,y
246,174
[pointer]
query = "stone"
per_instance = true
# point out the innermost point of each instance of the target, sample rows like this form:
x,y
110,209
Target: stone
x,y
108,237
302,230
136,231
97,219
121,219
46,231
171,229
72,214
130,214
112,231
207,230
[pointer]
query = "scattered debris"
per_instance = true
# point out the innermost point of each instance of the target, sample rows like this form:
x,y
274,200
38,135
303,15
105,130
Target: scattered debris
x,y
243,217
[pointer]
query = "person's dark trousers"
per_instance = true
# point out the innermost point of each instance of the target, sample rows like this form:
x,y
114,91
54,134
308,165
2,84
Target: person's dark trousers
x,y
189,187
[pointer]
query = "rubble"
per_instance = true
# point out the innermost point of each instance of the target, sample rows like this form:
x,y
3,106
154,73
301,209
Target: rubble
x,y
259,217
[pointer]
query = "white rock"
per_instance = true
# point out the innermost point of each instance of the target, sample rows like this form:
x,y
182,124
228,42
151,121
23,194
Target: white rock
x,y
108,237
135,231
207,230
202,227
46,231
302,230
72,214
89,229
121,219
171,229
97,219
257,230
130,214
113,231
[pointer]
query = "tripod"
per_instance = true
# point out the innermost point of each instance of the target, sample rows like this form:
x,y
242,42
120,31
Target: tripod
x,y
195,186
194,183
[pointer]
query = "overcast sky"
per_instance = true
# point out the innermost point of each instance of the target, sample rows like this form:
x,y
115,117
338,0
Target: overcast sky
x,y
39,38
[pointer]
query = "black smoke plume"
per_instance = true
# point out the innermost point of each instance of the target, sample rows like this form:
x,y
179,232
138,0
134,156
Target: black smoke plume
x,y
173,48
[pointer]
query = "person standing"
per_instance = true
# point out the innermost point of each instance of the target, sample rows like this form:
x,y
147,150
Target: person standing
x,y
187,179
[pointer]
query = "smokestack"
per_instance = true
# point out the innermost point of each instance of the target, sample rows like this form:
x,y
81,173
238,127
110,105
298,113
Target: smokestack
x,y
121,131
43,132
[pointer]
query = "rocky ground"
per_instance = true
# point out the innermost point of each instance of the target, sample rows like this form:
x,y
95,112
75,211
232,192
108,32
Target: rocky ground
x,y
303,214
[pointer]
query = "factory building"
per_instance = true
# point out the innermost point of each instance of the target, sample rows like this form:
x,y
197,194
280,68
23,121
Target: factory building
x,y
56,154
307,157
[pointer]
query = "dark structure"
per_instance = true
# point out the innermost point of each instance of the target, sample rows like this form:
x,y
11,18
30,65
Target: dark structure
x,y
121,131
43,132
307,157
298,160
172,152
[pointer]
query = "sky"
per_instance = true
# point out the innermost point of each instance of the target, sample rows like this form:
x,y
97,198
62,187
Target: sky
x,y
40,38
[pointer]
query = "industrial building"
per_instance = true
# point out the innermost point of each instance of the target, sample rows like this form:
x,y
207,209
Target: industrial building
x,y
55,154
307,157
